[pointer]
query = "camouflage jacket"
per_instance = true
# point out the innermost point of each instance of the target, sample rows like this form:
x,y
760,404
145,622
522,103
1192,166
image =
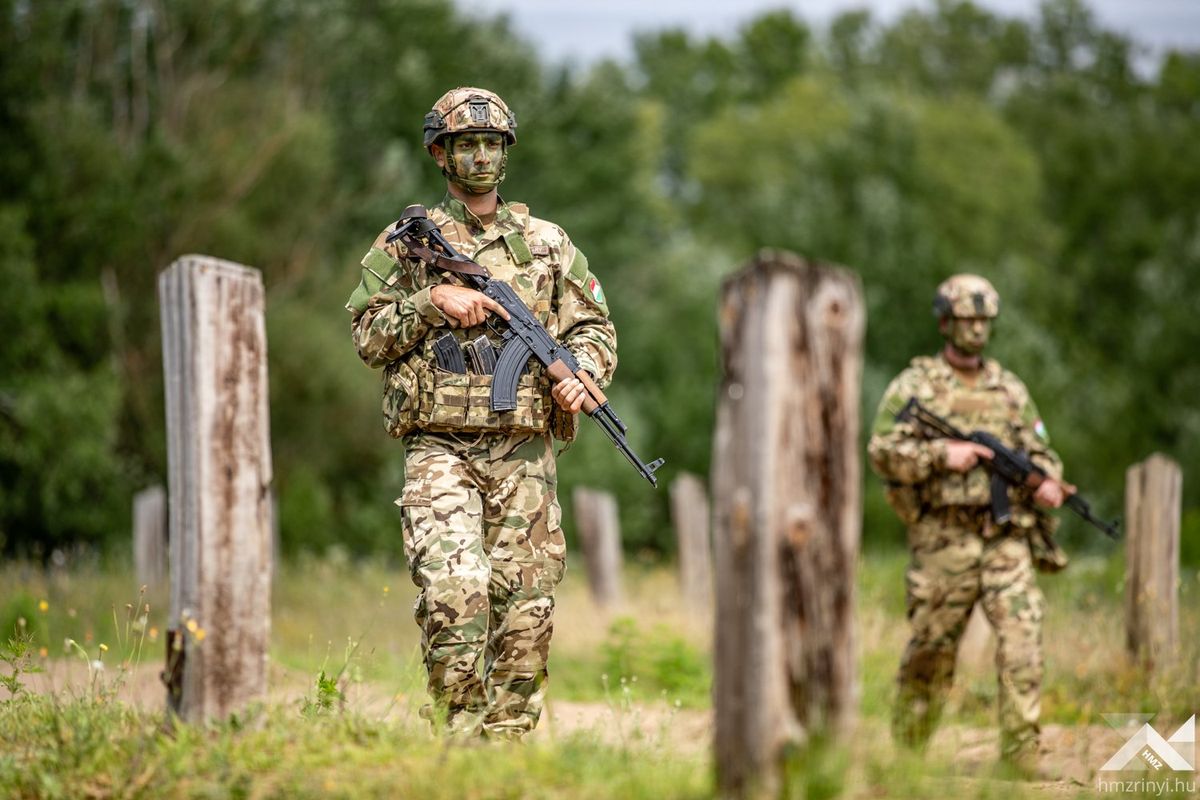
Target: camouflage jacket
x,y
914,467
394,319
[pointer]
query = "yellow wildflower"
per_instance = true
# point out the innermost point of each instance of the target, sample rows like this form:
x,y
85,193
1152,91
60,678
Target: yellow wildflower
x,y
192,625
153,634
43,652
199,633
103,647
43,606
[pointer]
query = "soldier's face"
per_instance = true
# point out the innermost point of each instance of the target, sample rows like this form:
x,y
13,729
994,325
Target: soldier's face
x,y
969,334
477,156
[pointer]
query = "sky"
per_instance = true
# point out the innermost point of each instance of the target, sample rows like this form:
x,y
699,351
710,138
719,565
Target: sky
x,y
584,31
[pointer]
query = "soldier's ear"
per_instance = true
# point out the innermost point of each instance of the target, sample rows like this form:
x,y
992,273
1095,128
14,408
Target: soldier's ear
x,y
439,154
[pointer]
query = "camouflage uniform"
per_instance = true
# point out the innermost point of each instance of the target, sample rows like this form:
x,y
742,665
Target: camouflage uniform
x,y
959,555
481,521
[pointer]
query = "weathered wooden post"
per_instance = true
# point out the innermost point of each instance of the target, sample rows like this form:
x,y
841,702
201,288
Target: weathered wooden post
x,y
689,514
1153,501
150,536
788,513
600,537
219,468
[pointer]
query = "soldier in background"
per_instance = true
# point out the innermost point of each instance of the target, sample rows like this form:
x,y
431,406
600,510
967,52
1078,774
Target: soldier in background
x,y
481,520
960,555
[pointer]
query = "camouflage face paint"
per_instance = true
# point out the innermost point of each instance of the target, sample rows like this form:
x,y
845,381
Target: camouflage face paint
x,y
969,335
475,161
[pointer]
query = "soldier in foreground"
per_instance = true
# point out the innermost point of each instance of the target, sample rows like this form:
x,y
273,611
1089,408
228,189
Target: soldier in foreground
x,y
961,555
481,521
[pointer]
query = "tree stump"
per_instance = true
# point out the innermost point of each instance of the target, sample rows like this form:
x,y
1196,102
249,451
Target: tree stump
x,y
690,516
150,536
219,467
1153,501
600,537
788,515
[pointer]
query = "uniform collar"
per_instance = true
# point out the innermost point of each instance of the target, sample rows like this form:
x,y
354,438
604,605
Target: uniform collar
x,y
989,370
509,216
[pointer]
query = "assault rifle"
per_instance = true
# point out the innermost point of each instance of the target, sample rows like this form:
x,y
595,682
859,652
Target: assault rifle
x,y
1008,467
523,337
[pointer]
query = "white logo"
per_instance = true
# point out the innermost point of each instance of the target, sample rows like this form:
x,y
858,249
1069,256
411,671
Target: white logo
x,y
1148,749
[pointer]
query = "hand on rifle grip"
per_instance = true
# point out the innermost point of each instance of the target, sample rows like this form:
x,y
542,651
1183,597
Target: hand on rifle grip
x,y
963,456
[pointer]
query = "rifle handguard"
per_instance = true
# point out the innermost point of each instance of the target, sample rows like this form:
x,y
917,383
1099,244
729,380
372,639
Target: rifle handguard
x,y
559,372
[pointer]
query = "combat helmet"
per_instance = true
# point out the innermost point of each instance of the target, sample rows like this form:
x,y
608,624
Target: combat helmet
x,y
966,295
469,109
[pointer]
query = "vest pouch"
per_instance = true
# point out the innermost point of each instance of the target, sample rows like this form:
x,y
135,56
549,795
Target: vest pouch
x,y
564,425
531,413
458,401
958,489
401,403
451,391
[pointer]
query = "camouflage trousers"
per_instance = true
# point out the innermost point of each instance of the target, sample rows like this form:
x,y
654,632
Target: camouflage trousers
x,y
953,567
483,536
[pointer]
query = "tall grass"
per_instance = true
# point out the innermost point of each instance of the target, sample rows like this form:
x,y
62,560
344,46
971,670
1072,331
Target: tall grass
x,y
92,724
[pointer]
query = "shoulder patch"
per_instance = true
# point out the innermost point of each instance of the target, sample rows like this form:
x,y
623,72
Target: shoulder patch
x,y
579,268
518,247
540,249
378,262
593,286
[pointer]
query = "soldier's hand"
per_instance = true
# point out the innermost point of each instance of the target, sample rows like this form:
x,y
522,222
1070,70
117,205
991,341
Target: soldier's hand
x,y
963,456
465,307
1050,494
569,394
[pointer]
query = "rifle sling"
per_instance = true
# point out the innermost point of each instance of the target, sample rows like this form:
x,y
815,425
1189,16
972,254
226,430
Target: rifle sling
x,y
443,262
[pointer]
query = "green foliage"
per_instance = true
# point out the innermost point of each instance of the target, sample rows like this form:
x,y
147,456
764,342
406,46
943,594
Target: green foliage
x,y
654,661
17,653
72,747
285,135
326,696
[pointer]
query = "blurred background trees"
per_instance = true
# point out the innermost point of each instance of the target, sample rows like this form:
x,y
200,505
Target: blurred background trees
x,y
1050,154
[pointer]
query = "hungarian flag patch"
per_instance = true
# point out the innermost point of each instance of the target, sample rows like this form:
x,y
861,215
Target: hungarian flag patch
x,y
1039,428
597,292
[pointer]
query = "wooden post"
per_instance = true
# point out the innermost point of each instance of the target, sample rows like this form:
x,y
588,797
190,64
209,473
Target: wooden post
x,y
600,537
219,466
786,485
150,536
1153,500
689,513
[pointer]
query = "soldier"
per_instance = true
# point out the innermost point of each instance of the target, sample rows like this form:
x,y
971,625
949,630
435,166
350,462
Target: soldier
x,y
960,555
481,520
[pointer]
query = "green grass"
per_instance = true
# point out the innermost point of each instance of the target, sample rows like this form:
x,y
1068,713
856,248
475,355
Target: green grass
x,y
353,621
70,748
